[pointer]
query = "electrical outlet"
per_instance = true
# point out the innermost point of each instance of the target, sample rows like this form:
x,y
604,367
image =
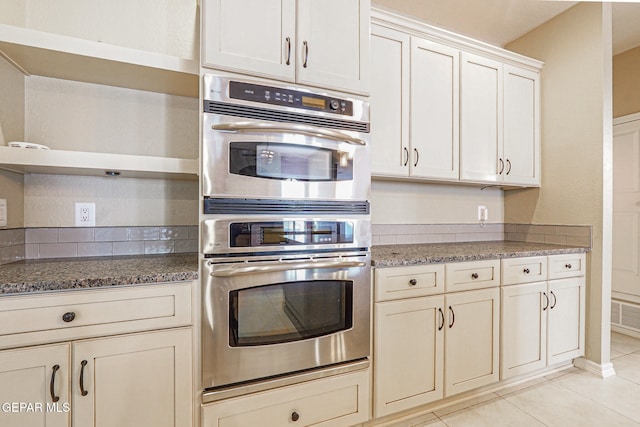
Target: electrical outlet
x,y
3,213
483,213
85,214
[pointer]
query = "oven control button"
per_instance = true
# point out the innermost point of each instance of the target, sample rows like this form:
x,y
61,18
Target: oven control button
x,y
334,104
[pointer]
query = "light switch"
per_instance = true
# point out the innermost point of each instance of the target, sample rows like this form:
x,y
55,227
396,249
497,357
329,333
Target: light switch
x,y
3,212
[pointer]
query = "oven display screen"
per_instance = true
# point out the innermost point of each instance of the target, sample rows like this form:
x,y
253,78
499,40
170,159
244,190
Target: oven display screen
x,y
279,233
314,102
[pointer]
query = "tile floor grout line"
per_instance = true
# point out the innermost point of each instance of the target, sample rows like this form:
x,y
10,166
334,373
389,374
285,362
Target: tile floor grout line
x,y
524,411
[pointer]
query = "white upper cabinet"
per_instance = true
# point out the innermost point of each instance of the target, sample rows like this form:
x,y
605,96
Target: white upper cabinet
x,y
322,43
390,102
521,126
434,110
256,35
481,119
445,108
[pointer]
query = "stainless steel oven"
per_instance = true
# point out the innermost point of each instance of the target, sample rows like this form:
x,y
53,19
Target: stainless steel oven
x,y
267,142
283,298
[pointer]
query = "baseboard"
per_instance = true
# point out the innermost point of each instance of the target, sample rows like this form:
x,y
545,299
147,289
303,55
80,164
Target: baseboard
x,y
604,370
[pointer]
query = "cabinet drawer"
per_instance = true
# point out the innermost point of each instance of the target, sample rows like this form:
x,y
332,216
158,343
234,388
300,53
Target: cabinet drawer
x,y
570,265
408,282
524,270
49,317
464,276
336,401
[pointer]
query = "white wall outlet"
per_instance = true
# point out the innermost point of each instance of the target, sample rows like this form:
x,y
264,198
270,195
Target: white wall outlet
x,y
3,213
483,213
85,214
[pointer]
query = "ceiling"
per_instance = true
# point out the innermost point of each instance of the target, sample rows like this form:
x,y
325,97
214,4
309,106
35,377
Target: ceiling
x,y
500,21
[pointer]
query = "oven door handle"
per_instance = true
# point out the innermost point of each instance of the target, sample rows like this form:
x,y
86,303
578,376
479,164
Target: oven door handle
x,y
236,270
285,127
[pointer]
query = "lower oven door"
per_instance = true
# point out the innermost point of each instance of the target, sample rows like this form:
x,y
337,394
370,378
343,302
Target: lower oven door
x,y
269,316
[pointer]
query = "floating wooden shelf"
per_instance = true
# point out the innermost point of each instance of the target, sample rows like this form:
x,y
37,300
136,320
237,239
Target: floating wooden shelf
x,y
61,162
52,55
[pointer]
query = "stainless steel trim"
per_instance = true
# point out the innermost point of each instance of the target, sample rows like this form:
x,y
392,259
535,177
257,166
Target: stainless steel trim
x,y
282,265
225,393
285,127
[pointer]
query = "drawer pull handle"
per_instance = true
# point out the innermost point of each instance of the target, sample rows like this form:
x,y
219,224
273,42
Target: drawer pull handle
x,y
52,384
546,299
305,47
453,317
441,319
288,40
526,271
295,416
567,266
82,390
413,282
406,159
555,300
474,275
68,317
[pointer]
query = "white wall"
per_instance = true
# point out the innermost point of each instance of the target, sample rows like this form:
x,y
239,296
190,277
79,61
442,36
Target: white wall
x,y
576,146
11,129
420,203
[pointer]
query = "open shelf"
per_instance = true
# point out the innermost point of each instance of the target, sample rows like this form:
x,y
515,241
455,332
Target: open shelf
x,y
61,162
52,55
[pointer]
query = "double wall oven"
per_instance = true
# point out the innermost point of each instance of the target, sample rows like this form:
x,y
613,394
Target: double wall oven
x,y
285,236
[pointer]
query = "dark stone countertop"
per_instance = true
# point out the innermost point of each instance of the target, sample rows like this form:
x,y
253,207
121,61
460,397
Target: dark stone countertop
x,y
435,253
81,273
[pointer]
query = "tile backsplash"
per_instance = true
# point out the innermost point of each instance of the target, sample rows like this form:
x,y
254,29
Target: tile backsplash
x,y
11,245
109,241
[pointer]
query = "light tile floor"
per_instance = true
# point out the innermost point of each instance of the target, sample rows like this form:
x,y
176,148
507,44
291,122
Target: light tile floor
x,y
571,398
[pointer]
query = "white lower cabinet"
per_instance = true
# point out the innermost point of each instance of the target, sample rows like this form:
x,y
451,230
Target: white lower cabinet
x,y
339,401
93,376
543,323
472,340
430,347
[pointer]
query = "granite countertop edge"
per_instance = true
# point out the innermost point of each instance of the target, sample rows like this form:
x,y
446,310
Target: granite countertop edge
x,y
64,274
434,253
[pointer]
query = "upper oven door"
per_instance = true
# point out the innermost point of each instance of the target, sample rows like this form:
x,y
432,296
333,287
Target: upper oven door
x,y
259,159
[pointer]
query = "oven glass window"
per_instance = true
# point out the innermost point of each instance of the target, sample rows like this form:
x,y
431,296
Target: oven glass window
x,y
289,162
291,311
289,233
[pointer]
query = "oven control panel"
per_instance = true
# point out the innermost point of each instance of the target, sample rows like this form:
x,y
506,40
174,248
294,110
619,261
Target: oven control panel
x,y
289,98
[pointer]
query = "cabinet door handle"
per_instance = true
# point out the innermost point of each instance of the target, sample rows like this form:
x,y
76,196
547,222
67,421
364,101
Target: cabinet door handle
x,y
406,158
288,41
415,150
295,416
305,47
546,299
501,166
555,300
474,275
413,282
68,317
441,319
567,266
509,165
52,384
453,317
526,271
82,390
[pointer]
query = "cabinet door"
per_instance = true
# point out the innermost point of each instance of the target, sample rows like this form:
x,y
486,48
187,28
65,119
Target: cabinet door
x,y
333,44
28,376
390,98
471,340
524,329
255,36
480,119
408,353
566,320
434,110
521,126
134,380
